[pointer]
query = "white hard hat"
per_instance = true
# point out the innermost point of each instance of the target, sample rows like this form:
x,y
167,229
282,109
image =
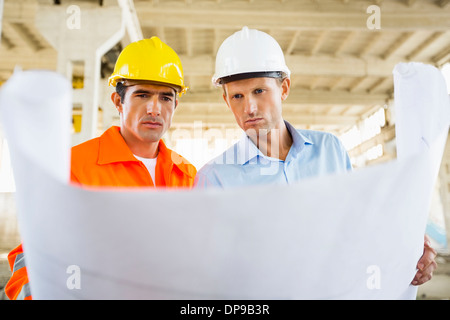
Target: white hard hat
x,y
249,53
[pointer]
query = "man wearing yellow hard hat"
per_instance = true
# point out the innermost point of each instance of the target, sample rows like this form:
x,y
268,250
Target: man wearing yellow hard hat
x,y
148,76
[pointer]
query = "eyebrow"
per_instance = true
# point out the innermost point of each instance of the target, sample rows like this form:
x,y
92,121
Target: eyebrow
x,y
239,91
164,93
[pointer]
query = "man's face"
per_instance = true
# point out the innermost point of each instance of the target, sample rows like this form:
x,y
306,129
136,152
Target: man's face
x,y
146,112
256,103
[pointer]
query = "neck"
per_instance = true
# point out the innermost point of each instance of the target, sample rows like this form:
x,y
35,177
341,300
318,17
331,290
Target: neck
x,y
140,148
276,143
149,151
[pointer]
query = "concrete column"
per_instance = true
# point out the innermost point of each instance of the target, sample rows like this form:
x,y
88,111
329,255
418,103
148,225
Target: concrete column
x,y
82,32
1,18
109,111
444,181
9,230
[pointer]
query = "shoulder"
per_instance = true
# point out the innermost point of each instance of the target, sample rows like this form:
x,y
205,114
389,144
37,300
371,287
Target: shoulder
x,y
322,139
229,156
216,170
84,157
319,136
85,150
207,177
170,158
329,147
87,145
183,164
84,153
206,170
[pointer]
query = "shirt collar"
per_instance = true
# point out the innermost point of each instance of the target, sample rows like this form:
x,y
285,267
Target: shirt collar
x,y
299,141
113,147
247,150
169,157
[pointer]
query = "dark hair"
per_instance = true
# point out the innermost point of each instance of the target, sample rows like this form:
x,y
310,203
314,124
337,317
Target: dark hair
x,y
121,90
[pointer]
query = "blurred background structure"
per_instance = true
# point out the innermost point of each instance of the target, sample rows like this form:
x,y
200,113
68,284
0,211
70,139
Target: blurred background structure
x,y
341,54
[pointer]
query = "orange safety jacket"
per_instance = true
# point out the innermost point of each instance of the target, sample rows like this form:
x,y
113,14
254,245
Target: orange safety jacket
x,y
108,161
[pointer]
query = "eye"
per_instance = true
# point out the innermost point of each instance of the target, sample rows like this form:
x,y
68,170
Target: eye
x,y
166,98
142,95
258,91
237,96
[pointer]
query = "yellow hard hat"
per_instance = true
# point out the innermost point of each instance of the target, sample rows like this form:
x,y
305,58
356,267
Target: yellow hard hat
x,y
149,60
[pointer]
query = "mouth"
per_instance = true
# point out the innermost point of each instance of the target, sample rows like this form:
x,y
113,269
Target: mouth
x,y
151,124
253,120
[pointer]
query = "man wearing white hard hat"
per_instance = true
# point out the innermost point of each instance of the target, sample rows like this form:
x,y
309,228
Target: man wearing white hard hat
x,y
251,69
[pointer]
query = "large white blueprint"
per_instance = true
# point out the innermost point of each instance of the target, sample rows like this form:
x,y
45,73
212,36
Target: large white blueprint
x,y
349,236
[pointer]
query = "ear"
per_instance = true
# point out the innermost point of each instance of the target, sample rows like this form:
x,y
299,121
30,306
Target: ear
x,y
224,96
176,104
285,88
115,98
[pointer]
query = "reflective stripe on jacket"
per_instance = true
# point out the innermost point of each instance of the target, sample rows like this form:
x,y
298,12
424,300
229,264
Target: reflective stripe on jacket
x,y
18,287
107,161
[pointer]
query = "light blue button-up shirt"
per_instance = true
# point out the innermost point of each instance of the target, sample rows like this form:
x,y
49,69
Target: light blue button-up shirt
x,y
312,154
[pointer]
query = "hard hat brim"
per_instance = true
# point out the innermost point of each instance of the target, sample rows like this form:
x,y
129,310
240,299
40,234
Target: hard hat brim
x,y
133,82
248,75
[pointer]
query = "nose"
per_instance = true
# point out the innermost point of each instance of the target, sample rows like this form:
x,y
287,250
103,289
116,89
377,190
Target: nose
x,y
154,107
250,106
